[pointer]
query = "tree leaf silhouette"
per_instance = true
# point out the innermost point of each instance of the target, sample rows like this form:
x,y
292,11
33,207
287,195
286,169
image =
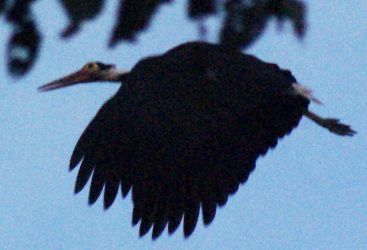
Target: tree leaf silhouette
x,y
78,12
24,43
199,8
134,16
245,21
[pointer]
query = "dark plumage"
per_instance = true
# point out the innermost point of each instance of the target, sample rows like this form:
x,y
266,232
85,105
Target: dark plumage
x,y
184,131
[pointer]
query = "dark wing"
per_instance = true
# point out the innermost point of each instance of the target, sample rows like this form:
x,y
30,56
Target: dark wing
x,y
185,133
104,149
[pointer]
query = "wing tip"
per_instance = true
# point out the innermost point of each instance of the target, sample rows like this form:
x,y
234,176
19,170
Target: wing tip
x,y
74,161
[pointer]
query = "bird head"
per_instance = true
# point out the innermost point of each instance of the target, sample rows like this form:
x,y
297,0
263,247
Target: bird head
x,y
90,72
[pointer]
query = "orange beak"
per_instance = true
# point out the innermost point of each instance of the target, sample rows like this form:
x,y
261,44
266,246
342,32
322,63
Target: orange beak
x,y
81,76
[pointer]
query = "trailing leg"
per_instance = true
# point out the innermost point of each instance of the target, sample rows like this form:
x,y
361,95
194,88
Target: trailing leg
x,y
332,124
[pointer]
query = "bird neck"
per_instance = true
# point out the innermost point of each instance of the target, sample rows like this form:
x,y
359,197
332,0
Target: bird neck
x,y
115,76
121,76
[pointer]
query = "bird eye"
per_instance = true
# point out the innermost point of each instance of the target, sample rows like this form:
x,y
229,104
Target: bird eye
x,y
91,66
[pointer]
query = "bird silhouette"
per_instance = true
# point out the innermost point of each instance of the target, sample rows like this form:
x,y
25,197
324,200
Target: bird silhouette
x,y
184,130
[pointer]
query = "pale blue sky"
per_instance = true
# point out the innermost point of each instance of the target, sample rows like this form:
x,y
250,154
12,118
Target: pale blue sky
x,y
308,193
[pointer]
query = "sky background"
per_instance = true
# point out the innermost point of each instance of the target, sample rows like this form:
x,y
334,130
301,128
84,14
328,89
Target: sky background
x,y
308,193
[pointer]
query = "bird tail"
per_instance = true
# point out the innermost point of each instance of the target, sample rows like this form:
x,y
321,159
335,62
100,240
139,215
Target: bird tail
x,y
305,92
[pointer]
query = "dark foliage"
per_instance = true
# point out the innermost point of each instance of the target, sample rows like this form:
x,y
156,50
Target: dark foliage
x,y
246,20
23,48
2,5
80,11
243,24
199,8
134,16
25,39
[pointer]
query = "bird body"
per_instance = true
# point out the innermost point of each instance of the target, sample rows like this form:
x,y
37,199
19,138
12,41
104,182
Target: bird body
x,y
184,131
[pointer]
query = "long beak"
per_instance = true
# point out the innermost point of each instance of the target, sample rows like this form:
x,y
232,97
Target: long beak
x,y
81,76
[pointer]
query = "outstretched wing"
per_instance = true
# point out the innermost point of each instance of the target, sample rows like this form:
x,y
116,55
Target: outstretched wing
x,y
104,151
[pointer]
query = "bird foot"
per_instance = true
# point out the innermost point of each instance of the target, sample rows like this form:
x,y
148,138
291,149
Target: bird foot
x,y
336,127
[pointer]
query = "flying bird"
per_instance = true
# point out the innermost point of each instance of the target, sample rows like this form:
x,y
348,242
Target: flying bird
x,y
184,130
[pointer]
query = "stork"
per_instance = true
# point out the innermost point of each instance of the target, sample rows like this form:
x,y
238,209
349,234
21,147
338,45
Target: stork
x,y
184,130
